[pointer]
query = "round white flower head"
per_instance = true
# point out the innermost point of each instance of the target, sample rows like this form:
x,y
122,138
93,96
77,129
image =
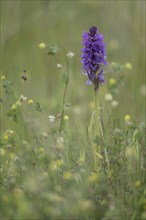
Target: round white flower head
x,y
114,103
59,66
70,54
60,140
108,97
23,98
51,118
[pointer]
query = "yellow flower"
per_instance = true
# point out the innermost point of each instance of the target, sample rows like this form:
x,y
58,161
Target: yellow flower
x,y
6,137
66,117
67,175
112,82
13,107
3,77
128,66
55,165
127,118
93,178
18,103
42,45
40,150
2,152
138,183
30,101
86,204
12,156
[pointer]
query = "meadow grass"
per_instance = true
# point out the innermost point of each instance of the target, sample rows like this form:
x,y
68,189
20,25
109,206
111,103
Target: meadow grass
x,y
57,162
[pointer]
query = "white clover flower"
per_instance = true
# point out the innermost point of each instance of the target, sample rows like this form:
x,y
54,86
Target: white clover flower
x,y
16,158
108,97
114,103
23,98
59,66
60,140
70,54
51,118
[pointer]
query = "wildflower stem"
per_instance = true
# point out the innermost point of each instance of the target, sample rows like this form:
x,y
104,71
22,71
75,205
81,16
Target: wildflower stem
x,y
64,96
96,117
96,113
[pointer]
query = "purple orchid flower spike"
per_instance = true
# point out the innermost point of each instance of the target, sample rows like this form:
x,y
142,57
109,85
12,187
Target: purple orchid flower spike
x,y
93,57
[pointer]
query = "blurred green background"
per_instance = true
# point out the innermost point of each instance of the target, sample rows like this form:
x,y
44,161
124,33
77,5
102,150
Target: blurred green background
x,y
25,24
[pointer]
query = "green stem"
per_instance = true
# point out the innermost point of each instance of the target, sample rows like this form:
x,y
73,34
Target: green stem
x,y
64,96
96,113
96,117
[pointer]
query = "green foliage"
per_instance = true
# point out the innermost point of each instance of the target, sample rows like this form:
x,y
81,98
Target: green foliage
x,y
53,49
51,166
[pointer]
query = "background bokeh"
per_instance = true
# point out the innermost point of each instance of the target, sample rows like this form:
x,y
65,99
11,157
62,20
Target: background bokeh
x,y
24,24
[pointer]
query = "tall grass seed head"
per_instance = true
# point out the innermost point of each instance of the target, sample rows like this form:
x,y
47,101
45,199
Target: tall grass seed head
x,y
94,56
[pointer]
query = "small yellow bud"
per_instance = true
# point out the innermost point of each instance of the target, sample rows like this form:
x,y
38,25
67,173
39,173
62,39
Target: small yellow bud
x,y
18,103
13,107
66,117
93,178
6,137
42,45
12,156
112,82
127,118
40,150
67,175
138,183
30,101
3,77
2,152
128,66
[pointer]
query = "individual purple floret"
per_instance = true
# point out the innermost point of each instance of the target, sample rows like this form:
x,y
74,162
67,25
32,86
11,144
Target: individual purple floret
x,y
94,56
